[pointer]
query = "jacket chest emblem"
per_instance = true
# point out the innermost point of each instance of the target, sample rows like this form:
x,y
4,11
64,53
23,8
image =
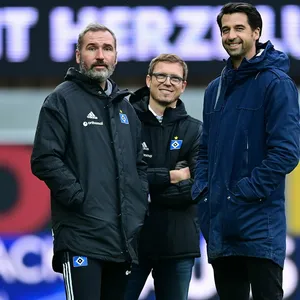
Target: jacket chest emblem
x,y
91,116
146,148
123,118
175,144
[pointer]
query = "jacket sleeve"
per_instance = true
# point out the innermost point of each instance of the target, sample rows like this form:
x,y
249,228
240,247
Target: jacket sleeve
x,y
47,159
200,186
179,194
159,177
282,140
140,163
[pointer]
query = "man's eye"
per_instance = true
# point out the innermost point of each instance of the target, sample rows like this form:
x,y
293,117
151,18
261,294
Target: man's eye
x,y
174,78
161,76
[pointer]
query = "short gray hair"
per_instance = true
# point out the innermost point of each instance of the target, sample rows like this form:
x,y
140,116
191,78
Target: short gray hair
x,y
94,27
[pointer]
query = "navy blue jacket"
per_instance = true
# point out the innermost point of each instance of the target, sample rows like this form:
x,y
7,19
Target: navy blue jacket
x,y
250,142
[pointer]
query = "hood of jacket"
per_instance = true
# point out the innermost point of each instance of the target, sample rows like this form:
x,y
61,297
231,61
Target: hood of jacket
x,y
92,86
140,101
266,58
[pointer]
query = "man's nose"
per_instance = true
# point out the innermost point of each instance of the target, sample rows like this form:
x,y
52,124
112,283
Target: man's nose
x,y
168,81
99,54
232,34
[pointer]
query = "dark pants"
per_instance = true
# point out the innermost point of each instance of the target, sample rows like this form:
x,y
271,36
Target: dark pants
x,y
235,274
171,278
91,279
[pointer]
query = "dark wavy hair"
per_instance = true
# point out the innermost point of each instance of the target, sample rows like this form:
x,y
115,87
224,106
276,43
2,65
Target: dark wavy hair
x,y
254,17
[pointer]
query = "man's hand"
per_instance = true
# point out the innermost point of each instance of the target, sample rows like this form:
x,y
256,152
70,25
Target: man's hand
x,y
179,175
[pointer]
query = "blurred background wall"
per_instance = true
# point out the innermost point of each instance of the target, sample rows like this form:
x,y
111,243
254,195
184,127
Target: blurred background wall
x,y
37,45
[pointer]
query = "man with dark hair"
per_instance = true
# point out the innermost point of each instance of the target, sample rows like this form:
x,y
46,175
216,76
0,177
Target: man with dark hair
x,y
250,142
169,241
88,151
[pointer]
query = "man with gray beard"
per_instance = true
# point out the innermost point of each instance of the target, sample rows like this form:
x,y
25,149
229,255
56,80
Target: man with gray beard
x,y
88,151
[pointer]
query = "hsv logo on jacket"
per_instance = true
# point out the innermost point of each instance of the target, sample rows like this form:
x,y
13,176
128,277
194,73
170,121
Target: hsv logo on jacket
x,y
175,144
123,118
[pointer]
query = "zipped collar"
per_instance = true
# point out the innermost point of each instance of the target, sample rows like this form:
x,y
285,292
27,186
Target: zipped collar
x,y
92,86
140,102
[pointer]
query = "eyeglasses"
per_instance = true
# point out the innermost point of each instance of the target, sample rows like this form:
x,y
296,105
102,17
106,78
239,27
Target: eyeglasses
x,y
161,77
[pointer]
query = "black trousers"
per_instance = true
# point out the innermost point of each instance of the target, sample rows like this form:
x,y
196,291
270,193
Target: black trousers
x,y
235,274
91,279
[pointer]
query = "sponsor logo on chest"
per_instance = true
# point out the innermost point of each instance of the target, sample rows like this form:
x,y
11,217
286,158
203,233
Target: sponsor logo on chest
x,y
91,116
146,148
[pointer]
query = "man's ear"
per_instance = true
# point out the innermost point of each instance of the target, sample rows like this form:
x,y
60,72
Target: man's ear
x,y
184,84
257,33
148,81
77,53
116,60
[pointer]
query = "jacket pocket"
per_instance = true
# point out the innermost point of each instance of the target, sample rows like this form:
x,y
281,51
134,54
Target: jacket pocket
x,y
253,99
245,159
250,112
245,220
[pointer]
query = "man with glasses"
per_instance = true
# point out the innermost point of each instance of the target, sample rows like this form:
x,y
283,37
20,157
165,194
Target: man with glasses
x,y
169,241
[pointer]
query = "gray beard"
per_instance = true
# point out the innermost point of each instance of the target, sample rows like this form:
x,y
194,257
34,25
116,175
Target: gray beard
x,y
100,76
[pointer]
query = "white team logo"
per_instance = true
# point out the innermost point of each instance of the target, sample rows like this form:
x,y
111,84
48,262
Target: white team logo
x,y
85,124
91,115
145,147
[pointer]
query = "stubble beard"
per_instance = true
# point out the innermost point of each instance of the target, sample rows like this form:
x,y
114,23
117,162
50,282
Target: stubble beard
x,y
235,53
163,102
240,53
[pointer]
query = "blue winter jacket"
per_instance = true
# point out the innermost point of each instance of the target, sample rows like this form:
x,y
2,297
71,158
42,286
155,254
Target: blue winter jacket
x,y
250,142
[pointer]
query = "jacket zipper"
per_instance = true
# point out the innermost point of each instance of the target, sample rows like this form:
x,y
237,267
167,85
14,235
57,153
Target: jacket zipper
x,y
119,213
